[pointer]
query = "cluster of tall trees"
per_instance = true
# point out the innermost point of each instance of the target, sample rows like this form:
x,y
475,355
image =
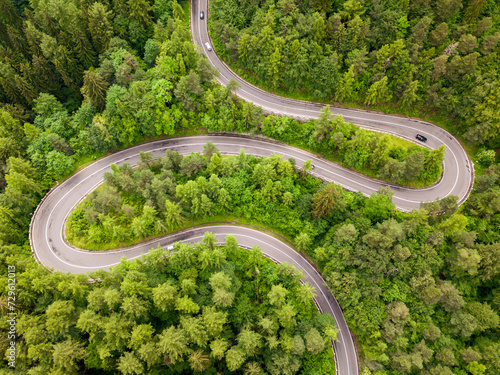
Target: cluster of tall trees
x,y
52,46
23,192
49,52
362,149
196,309
133,77
440,54
164,194
425,300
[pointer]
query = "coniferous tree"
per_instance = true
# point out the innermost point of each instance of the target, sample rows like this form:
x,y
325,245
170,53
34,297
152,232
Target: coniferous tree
x,y
94,88
100,26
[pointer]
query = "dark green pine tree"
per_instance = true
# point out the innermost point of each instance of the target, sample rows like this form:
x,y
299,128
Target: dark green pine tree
x,y
94,88
100,26
82,47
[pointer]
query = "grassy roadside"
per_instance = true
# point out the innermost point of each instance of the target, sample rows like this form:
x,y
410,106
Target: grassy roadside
x,y
82,243
83,160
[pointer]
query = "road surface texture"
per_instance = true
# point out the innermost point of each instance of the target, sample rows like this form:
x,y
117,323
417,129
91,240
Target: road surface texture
x,y
51,250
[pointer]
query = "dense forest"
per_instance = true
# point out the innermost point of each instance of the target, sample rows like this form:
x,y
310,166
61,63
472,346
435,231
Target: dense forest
x,y
420,290
199,309
429,54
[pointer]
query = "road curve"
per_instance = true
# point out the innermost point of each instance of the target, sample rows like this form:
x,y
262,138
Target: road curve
x,y
458,176
51,250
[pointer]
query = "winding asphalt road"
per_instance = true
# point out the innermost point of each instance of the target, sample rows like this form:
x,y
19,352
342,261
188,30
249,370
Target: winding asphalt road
x,y
458,174
51,250
46,231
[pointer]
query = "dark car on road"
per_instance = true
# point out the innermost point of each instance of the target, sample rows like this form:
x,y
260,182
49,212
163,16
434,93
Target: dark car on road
x,y
420,137
202,15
